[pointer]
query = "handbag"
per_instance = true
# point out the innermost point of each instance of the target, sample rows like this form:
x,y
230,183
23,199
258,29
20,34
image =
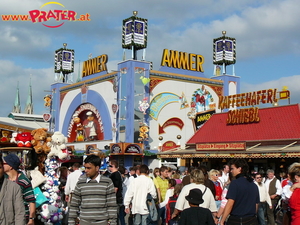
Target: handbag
x,y
40,198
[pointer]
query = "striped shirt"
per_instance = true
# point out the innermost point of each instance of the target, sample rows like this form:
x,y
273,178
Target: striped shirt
x,y
28,194
94,202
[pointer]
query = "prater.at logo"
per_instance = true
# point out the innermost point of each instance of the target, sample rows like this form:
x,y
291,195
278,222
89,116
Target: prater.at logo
x,y
56,15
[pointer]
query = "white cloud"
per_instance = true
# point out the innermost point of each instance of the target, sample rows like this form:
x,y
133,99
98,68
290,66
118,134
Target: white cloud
x,y
263,28
291,82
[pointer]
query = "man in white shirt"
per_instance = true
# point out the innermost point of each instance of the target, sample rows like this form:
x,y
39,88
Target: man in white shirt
x,y
225,176
275,190
72,181
264,199
138,196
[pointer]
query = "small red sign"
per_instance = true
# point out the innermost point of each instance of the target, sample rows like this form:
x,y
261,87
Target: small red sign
x,y
46,117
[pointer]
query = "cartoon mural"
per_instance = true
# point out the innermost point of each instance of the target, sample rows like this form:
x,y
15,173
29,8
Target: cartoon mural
x,y
86,124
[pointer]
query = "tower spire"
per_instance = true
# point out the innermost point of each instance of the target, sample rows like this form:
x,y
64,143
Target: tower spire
x,y
29,104
79,75
17,105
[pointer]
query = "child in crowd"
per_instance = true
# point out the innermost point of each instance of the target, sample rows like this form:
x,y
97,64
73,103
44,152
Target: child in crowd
x,y
196,215
171,205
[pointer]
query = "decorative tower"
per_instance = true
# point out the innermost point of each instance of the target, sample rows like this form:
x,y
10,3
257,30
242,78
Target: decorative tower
x,y
134,36
17,105
224,51
64,63
29,104
223,55
133,84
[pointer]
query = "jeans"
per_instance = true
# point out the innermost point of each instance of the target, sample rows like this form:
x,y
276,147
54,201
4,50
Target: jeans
x,y
218,204
261,213
162,215
122,215
140,219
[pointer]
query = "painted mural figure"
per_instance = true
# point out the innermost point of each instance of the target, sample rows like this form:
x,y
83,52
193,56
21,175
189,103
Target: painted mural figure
x,y
202,99
80,134
90,127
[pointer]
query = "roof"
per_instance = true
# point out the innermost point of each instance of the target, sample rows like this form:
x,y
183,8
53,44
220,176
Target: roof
x,y
276,123
11,124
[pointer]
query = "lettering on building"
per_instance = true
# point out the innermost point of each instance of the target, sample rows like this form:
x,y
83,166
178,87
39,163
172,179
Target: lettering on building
x,y
95,65
182,60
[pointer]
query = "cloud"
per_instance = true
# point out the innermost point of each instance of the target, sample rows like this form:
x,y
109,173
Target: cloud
x,y
263,29
14,75
291,82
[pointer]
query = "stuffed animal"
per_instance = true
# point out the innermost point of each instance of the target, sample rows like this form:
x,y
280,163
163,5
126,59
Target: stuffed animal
x,y
13,137
144,129
58,146
5,136
24,139
45,211
40,139
47,99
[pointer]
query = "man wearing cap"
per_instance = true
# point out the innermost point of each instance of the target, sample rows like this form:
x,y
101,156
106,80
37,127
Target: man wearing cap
x,y
12,211
11,165
196,215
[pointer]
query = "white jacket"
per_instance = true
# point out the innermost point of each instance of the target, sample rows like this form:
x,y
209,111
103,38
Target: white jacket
x,y
137,194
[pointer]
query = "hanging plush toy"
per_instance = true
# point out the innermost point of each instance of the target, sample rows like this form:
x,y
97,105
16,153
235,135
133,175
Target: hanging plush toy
x,y
40,139
143,105
24,139
58,146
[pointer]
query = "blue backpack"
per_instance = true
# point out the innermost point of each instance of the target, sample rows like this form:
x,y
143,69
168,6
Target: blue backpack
x,y
153,215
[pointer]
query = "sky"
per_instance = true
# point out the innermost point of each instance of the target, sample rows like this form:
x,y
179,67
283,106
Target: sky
x,y
267,40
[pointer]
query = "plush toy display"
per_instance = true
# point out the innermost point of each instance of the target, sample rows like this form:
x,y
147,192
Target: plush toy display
x,y
58,146
24,139
51,213
39,141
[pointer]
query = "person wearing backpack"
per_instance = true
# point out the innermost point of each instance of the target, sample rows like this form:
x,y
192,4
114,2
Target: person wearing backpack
x,y
137,193
171,206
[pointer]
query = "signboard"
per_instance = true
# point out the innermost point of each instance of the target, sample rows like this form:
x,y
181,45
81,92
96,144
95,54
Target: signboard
x,y
116,149
134,33
224,51
95,65
201,118
246,115
221,146
126,148
169,145
64,61
182,60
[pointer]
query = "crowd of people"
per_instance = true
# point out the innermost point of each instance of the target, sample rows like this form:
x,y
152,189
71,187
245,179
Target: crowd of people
x,y
162,196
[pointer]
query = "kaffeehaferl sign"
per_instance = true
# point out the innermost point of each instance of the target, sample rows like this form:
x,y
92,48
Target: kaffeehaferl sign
x,y
246,115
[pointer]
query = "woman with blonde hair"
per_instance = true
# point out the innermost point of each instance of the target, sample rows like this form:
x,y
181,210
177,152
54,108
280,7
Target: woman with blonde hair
x,y
214,176
197,181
